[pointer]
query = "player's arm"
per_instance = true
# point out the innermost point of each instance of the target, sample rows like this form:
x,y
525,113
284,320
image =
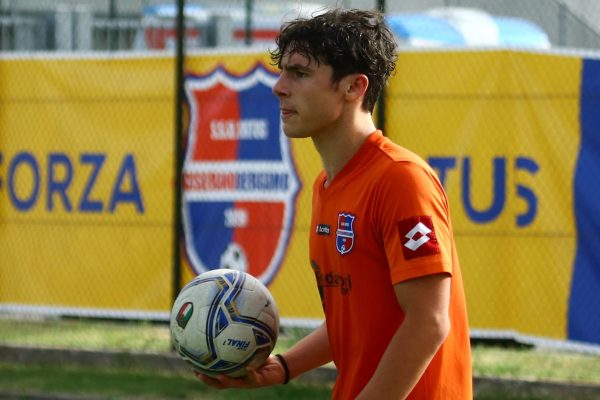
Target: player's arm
x,y
426,325
310,352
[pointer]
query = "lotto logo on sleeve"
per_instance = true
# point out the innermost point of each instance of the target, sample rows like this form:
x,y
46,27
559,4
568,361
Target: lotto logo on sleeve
x,y
417,236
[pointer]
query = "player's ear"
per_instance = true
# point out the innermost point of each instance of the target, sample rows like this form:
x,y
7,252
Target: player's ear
x,y
355,86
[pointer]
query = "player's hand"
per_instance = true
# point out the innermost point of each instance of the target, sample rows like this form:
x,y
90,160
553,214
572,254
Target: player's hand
x,y
270,373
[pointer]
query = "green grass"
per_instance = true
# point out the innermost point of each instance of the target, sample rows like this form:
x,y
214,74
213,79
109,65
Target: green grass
x,y
152,337
536,364
101,335
119,383
85,334
522,363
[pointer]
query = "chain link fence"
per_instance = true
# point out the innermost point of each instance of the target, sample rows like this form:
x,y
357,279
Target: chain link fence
x,y
87,99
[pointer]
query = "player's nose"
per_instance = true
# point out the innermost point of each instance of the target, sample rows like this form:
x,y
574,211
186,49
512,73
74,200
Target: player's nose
x,y
279,88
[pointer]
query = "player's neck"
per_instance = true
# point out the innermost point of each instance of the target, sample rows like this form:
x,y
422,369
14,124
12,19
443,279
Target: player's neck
x,y
337,146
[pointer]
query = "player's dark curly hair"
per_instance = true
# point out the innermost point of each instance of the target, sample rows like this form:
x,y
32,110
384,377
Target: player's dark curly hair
x,y
350,41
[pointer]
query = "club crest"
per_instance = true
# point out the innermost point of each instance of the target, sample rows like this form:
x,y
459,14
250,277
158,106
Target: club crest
x,y
239,180
344,235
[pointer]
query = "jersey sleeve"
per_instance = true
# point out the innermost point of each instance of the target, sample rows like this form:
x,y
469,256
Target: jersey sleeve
x,y
412,221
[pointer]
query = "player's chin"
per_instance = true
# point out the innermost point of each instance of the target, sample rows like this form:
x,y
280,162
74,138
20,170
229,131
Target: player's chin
x,y
288,130
294,132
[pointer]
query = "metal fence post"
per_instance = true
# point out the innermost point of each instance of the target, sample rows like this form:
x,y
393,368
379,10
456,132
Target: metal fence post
x,y
249,11
381,100
178,158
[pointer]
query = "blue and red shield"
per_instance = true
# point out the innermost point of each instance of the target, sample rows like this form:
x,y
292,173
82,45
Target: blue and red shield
x,y
239,179
344,234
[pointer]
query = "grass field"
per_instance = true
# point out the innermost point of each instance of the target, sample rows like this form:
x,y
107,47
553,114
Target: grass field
x,y
116,383
501,362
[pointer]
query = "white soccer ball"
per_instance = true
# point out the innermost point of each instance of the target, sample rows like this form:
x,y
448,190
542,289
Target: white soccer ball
x,y
224,321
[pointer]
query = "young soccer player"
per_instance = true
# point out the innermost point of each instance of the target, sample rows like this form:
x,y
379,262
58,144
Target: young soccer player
x,y
381,242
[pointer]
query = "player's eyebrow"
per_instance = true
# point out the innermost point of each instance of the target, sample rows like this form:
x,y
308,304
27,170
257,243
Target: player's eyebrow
x,y
296,68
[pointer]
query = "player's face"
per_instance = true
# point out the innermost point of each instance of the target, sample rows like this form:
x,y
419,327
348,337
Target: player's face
x,y
310,103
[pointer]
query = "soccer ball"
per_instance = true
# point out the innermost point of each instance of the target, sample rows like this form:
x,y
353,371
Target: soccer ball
x,y
224,321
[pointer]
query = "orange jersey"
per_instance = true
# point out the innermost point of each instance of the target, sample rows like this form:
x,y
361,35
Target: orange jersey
x,y
384,219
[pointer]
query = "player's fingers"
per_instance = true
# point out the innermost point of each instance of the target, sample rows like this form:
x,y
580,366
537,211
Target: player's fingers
x,y
208,380
251,377
224,381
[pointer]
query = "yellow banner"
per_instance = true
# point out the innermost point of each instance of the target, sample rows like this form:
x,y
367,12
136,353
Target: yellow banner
x,y
86,183
501,128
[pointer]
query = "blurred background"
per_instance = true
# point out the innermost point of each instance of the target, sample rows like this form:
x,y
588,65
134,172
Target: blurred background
x,y
78,25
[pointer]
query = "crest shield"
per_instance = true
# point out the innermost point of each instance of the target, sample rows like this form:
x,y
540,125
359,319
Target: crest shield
x,y
239,179
344,235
